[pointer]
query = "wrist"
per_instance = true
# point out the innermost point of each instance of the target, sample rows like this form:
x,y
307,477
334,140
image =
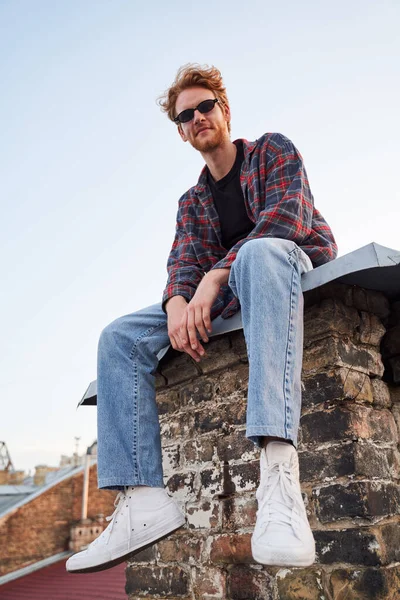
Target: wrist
x,y
221,276
174,301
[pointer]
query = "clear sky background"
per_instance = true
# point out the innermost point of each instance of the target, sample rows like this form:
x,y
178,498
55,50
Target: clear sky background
x,y
91,170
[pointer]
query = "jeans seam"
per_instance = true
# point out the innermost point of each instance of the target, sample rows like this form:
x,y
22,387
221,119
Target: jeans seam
x,y
289,347
135,414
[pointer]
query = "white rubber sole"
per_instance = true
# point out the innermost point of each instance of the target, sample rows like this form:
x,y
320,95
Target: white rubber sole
x,y
282,557
120,554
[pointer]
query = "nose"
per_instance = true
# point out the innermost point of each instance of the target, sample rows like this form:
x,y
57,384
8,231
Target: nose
x,y
198,116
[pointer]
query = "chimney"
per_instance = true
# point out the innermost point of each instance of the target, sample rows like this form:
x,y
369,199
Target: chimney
x,y
85,492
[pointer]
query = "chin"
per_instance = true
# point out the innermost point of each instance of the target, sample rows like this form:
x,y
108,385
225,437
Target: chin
x,y
210,143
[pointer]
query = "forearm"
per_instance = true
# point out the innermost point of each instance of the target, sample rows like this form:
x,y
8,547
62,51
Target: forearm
x,y
220,276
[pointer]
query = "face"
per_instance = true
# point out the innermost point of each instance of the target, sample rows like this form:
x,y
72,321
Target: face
x,y
204,132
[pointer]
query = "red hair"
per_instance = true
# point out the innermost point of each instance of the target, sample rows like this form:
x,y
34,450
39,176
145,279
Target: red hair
x,y
192,75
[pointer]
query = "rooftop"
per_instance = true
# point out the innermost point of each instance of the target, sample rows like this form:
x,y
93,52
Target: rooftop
x,y
49,580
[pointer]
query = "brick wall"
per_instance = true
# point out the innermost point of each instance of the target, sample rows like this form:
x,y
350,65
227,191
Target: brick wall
x,y
348,452
41,528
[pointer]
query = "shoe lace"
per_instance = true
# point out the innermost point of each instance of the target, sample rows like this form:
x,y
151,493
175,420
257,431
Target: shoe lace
x,y
285,508
119,501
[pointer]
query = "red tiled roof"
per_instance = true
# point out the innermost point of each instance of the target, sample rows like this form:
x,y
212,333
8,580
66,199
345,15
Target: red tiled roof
x,y
54,583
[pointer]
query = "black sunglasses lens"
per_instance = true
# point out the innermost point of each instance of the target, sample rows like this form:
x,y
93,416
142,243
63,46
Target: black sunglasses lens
x,y
206,106
186,115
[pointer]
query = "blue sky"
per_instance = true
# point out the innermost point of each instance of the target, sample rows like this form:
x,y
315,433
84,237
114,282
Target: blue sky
x,y
91,170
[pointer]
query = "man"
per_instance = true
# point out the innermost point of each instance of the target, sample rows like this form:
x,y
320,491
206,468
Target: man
x,y
244,235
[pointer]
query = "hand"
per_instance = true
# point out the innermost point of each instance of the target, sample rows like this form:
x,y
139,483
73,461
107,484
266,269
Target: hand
x,y
176,313
197,315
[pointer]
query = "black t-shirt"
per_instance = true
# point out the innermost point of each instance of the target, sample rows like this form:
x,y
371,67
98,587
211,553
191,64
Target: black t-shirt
x,y
229,202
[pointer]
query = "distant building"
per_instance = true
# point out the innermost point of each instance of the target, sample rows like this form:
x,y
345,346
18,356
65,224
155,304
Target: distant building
x,y
45,520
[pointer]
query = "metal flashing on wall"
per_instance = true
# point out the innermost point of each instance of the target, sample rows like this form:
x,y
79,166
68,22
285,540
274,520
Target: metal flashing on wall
x,y
372,267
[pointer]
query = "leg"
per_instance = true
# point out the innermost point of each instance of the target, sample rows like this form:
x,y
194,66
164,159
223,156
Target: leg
x,y
129,448
266,278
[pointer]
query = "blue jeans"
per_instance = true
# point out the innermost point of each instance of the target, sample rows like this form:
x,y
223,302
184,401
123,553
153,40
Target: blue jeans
x,y
266,278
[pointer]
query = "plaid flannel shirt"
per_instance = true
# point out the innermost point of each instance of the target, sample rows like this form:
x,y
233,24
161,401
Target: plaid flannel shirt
x,y
278,200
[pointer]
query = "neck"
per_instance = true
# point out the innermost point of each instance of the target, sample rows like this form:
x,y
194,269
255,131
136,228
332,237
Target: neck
x,y
220,160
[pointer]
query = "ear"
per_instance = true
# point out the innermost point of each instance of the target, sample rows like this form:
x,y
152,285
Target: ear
x,y
181,133
227,112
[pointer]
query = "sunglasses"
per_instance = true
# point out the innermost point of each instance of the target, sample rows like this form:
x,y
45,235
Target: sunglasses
x,y
204,107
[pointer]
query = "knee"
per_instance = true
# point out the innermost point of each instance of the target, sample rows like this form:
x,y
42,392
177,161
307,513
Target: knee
x,y
112,334
265,247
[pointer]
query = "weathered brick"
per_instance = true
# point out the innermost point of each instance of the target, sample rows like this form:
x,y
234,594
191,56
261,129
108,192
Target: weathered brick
x,y
239,512
202,390
203,515
222,418
324,426
182,487
208,583
374,462
370,301
391,342
160,381
247,583
162,581
147,555
375,425
167,401
333,352
330,290
236,447
301,584
213,480
336,461
372,329
348,422
365,584
171,457
394,391
245,476
391,541
331,316
182,549
232,383
180,426
365,300
321,388
356,386
334,386
380,393
179,368
218,355
232,548
238,343
199,450
354,546
396,416
357,499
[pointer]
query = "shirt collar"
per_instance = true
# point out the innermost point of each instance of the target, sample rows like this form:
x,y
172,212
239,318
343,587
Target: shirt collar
x,y
248,148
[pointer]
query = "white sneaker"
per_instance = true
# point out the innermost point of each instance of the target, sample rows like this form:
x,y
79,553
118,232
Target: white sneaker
x,y
282,535
143,515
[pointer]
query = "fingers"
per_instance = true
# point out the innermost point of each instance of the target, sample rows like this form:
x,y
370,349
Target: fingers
x,y
191,329
199,323
207,321
188,337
